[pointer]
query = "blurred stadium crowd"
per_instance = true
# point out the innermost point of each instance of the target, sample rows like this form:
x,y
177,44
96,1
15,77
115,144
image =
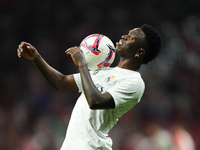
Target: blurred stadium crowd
x,y
34,116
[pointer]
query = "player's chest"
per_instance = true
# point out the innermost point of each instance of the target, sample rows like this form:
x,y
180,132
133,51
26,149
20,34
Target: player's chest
x,y
104,81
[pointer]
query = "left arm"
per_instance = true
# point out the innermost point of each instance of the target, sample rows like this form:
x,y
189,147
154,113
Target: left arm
x,y
95,99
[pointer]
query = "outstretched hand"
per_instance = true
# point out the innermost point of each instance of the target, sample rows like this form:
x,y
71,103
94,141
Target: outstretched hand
x,y
77,55
26,50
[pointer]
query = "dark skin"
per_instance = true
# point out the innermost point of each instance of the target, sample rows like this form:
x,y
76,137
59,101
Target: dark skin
x,y
129,45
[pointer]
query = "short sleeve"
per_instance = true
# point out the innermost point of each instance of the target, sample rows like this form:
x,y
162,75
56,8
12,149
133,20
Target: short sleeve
x,y
127,92
77,79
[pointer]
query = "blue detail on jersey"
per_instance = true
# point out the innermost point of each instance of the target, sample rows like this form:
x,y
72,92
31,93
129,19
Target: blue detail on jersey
x,y
99,87
95,72
108,79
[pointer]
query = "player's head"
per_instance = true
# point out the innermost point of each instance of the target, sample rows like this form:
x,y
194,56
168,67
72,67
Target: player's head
x,y
154,43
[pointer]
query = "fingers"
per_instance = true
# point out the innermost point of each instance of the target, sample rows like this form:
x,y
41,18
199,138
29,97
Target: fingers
x,y
21,47
72,50
21,44
19,51
24,44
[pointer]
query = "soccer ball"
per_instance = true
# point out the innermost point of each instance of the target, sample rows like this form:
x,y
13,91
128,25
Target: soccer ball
x,y
99,51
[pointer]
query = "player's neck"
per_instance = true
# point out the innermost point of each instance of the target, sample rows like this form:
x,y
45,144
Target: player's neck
x,y
131,64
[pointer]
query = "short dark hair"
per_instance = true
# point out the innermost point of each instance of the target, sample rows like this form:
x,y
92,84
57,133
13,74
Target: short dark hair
x,y
154,42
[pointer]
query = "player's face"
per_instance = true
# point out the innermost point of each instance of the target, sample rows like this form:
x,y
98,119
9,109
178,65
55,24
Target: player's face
x,y
130,43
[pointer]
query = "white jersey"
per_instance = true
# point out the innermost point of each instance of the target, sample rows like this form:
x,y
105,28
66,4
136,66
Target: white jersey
x,y
88,129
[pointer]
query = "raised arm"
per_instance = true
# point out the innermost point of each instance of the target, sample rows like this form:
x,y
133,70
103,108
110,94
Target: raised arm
x,y
95,99
56,79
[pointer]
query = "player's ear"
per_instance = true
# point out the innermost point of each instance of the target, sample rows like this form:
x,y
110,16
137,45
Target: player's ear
x,y
141,52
